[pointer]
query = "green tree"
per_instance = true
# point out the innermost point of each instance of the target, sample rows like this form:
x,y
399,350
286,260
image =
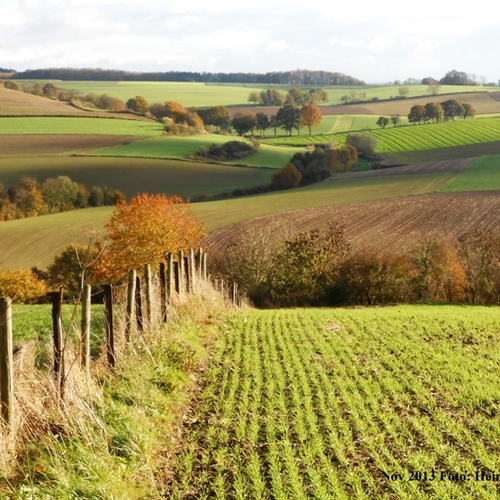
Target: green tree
x,y
365,144
254,97
288,118
383,121
218,116
263,122
244,123
60,194
434,111
452,109
395,120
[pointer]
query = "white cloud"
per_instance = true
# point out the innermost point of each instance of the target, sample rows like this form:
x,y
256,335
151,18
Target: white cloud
x,y
363,40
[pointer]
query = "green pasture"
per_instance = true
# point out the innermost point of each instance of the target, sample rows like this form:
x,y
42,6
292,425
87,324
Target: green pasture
x,y
481,175
137,175
187,93
201,94
397,402
182,147
34,322
334,124
69,125
414,137
42,238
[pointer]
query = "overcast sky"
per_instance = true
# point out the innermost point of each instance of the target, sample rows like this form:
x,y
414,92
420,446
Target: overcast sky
x,y
374,40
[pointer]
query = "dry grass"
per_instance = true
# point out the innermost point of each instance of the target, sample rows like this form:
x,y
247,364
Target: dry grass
x,y
119,427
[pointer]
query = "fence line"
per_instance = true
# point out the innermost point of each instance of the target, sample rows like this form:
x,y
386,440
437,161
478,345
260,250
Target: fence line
x,y
179,275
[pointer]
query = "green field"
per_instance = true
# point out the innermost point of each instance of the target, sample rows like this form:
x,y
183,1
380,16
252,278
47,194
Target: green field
x,y
187,93
137,175
181,147
397,402
201,94
481,175
35,125
415,137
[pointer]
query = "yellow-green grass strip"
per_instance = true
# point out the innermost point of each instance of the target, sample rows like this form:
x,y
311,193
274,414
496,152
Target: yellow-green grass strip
x,y
49,125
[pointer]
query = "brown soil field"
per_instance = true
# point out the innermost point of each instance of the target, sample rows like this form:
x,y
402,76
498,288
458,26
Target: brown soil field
x,y
17,103
385,226
483,102
42,145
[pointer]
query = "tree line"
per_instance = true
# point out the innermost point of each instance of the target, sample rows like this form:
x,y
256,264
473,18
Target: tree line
x,y
436,112
319,268
30,198
293,77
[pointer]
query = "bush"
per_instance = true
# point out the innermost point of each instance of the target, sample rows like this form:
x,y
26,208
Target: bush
x,y
287,177
22,286
232,150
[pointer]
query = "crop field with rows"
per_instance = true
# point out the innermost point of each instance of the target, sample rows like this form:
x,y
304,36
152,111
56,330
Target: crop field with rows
x,y
390,403
415,137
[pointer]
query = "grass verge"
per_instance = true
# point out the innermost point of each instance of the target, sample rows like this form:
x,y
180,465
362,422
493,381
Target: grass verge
x,y
113,434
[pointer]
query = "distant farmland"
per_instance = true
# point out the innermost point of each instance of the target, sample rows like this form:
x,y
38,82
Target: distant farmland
x,y
414,137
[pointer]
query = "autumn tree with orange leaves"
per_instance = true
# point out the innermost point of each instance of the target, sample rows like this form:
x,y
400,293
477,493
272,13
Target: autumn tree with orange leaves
x,y
144,232
310,115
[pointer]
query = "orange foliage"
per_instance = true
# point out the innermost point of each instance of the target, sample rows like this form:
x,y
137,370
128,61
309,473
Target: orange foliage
x,y
145,231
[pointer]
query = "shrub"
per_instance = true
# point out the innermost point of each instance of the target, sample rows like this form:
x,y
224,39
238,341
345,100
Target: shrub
x,y
22,285
287,177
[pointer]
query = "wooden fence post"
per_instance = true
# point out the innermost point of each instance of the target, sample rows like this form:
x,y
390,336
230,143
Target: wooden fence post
x,y
182,275
85,329
170,276
177,277
204,266
6,361
234,292
138,304
110,334
132,276
187,275
149,294
163,292
192,271
58,341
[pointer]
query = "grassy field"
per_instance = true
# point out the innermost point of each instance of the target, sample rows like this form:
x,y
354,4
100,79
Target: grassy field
x,y
200,94
481,175
415,137
398,402
181,147
44,237
35,125
137,175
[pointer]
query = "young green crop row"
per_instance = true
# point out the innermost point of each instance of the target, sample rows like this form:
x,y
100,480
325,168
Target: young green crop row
x,y
415,137
376,403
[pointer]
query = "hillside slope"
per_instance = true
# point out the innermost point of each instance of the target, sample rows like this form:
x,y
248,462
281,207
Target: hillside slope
x,y
394,225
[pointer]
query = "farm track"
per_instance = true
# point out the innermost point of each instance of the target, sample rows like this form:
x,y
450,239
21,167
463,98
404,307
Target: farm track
x,y
384,226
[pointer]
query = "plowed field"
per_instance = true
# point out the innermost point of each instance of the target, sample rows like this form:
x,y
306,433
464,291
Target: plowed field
x,y
383,226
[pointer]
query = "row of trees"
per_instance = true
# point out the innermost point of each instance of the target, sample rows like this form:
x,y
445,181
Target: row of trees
x,y
293,77
30,198
436,112
319,268
273,97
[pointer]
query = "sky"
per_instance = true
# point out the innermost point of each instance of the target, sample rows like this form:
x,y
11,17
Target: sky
x,y
375,41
